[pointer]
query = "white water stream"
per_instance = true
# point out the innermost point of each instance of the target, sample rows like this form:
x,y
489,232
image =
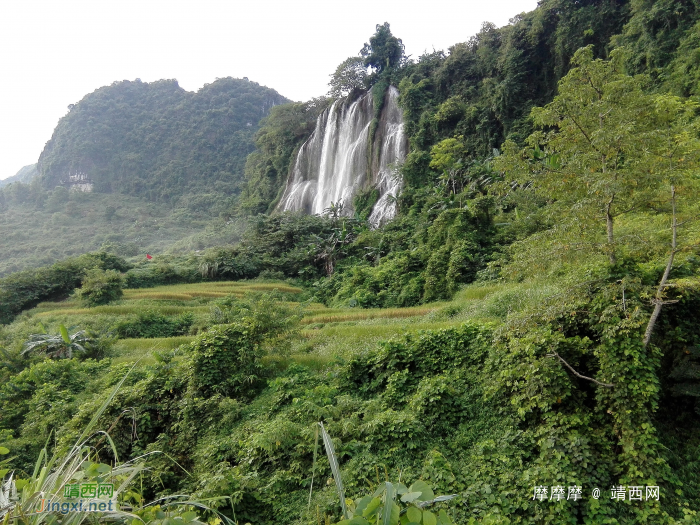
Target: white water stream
x,y
336,162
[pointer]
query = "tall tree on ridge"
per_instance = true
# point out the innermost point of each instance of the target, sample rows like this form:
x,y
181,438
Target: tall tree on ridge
x,y
384,51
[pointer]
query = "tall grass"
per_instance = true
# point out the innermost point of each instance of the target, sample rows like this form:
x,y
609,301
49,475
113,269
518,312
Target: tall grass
x,y
499,301
52,474
131,350
20,499
337,316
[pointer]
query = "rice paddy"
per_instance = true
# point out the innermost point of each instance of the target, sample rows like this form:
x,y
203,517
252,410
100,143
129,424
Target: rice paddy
x,y
325,335
188,292
329,315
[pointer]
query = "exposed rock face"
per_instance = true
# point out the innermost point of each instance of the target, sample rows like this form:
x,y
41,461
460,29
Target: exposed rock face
x,y
337,161
78,181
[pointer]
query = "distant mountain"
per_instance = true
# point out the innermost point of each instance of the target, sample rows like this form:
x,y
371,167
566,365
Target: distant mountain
x,y
26,174
164,167
156,140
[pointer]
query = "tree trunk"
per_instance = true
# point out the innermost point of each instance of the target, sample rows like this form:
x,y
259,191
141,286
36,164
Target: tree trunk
x,y
658,299
609,226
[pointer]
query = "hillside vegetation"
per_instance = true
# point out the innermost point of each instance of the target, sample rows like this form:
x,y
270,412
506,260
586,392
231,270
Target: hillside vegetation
x,y
65,224
527,325
158,141
166,167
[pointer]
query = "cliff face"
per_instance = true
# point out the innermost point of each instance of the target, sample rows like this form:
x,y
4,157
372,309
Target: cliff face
x,y
337,161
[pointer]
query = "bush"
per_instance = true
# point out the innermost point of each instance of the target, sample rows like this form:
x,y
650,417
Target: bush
x,y
101,287
23,290
226,361
151,324
167,270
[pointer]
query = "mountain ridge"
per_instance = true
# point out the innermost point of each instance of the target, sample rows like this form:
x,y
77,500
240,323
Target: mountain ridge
x,y
25,174
157,140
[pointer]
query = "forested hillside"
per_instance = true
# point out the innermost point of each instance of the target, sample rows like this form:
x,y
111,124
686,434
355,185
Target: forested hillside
x,y
157,140
522,339
165,168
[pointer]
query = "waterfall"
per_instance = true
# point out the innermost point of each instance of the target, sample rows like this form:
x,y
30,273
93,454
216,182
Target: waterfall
x,y
392,151
337,162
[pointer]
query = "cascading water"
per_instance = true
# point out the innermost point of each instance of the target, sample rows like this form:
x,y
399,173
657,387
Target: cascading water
x,y
337,161
392,151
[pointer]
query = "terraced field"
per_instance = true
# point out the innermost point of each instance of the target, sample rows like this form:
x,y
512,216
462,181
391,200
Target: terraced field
x,y
325,334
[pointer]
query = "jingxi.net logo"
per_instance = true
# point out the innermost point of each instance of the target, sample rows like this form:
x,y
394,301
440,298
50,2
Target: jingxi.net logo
x,y
85,497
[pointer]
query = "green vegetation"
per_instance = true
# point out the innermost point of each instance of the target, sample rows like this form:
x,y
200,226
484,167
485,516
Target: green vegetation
x,y
529,319
174,158
157,140
437,404
100,287
60,346
39,227
26,289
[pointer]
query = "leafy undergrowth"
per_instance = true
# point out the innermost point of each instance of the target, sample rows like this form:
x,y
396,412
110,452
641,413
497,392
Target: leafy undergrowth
x,y
449,393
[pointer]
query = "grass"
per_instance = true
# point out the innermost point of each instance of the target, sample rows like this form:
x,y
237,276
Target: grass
x,y
188,292
326,333
324,344
128,350
338,315
477,292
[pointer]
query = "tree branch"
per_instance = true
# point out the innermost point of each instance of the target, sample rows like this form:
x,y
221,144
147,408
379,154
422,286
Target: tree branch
x,y
658,300
592,144
606,385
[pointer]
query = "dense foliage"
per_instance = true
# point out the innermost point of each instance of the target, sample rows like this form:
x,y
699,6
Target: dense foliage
x,y
100,287
157,140
26,289
548,230
39,227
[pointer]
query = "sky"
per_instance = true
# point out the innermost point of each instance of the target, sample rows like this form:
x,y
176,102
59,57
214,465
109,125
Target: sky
x,y
54,52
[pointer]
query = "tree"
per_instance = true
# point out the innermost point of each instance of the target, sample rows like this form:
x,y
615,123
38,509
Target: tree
x,y
605,149
101,287
350,75
384,51
328,249
448,158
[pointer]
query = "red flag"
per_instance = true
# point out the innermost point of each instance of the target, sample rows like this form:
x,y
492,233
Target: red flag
x,y
148,257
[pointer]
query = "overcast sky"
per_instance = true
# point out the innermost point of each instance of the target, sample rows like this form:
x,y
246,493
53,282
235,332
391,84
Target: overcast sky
x,y
54,52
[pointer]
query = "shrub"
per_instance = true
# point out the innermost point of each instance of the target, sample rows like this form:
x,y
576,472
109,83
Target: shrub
x,y
101,287
436,285
226,361
151,324
22,290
